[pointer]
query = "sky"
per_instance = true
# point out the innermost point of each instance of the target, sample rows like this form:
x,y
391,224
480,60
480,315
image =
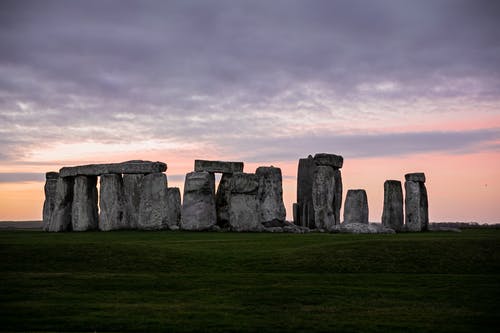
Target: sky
x,y
394,86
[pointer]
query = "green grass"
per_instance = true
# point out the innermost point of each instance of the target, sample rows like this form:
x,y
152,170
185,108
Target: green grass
x,y
175,281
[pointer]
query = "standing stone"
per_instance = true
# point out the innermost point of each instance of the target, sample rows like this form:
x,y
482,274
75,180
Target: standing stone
x,y
222,200
243,203
84,210
270,194
111,203
198,208
174,207
305,175
392,216
153,208
50,197
356,207
132,189
416,202
61,215
323,197
337,204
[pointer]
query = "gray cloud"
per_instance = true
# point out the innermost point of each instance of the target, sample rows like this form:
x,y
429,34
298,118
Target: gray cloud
x,y
15,177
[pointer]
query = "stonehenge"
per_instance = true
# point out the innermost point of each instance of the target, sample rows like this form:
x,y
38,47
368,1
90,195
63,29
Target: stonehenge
x,y
134,195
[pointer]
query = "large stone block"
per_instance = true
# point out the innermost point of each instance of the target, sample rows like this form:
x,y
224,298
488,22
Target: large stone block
x,y
335,161
416,203
153,207
132,190
222,200
243,203
337,202
61,215
270,194
218,166
305,176
198,207
111,203
356,207
392,216
323,196
137,166
174,207
84,210
415,177
50,197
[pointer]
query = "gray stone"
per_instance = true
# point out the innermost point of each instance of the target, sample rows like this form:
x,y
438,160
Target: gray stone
x,y
356,207
153,207
335,161
218,166
243,203
274,229
222,200
270,194
305,176
132,190
84,210
61,215
416,213
198,207
50,197
111,203
392,216
337,202
174,207
323,195
114,168
296,212
415,177
363,228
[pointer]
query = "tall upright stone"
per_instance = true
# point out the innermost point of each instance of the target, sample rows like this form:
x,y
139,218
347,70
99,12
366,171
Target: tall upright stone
x,y
50,197
392,216
198,207
270,194
132,190
416,202
153,207
305,176
111,203
337,202
174,207
243,203
323,197
222,199
61,215
84,210
356,207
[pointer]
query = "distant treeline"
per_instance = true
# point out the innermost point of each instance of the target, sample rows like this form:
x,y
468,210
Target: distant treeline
x,y
465,225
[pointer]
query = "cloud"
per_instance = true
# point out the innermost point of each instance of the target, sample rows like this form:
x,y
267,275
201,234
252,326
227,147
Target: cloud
x,y
17,177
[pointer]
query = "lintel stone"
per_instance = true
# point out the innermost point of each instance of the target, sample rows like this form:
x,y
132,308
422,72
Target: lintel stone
x,y
218,166
135,166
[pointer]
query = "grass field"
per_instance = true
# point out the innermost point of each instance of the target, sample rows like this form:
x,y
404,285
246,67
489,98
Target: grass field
x,y
176,281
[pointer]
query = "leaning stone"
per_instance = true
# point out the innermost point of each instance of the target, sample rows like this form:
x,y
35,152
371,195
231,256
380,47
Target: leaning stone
x,y
218,166
174,207
335,161
114,168
50,197
243,203
392,216
222,200
61,215
153,208
416,213
198,208
111,203
356,207
84,211
132,189
415,177
270,194
323,195
305,175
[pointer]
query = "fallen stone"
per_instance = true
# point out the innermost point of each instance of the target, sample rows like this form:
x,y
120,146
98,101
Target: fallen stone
x,y
85,214
416,212
137,166
218,166
61,215
174,207
305,176
392,215
243,203
222,200
363,228
270,194
323,195
50,197
111,203
132,189
198,208
174,227
153,207
356,207
335,161
273,229
415,177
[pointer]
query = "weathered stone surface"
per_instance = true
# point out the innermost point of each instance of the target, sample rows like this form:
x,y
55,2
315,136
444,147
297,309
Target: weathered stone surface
x,y
363,228
84,210
337,202
415,177
61,215
50,197
270,194
416,214
132,190
153,207
198,208
243,203
296,212
356,207
323,195
305,175
174,207
114,168
335,161
222,200
392,216
218,166
111,202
